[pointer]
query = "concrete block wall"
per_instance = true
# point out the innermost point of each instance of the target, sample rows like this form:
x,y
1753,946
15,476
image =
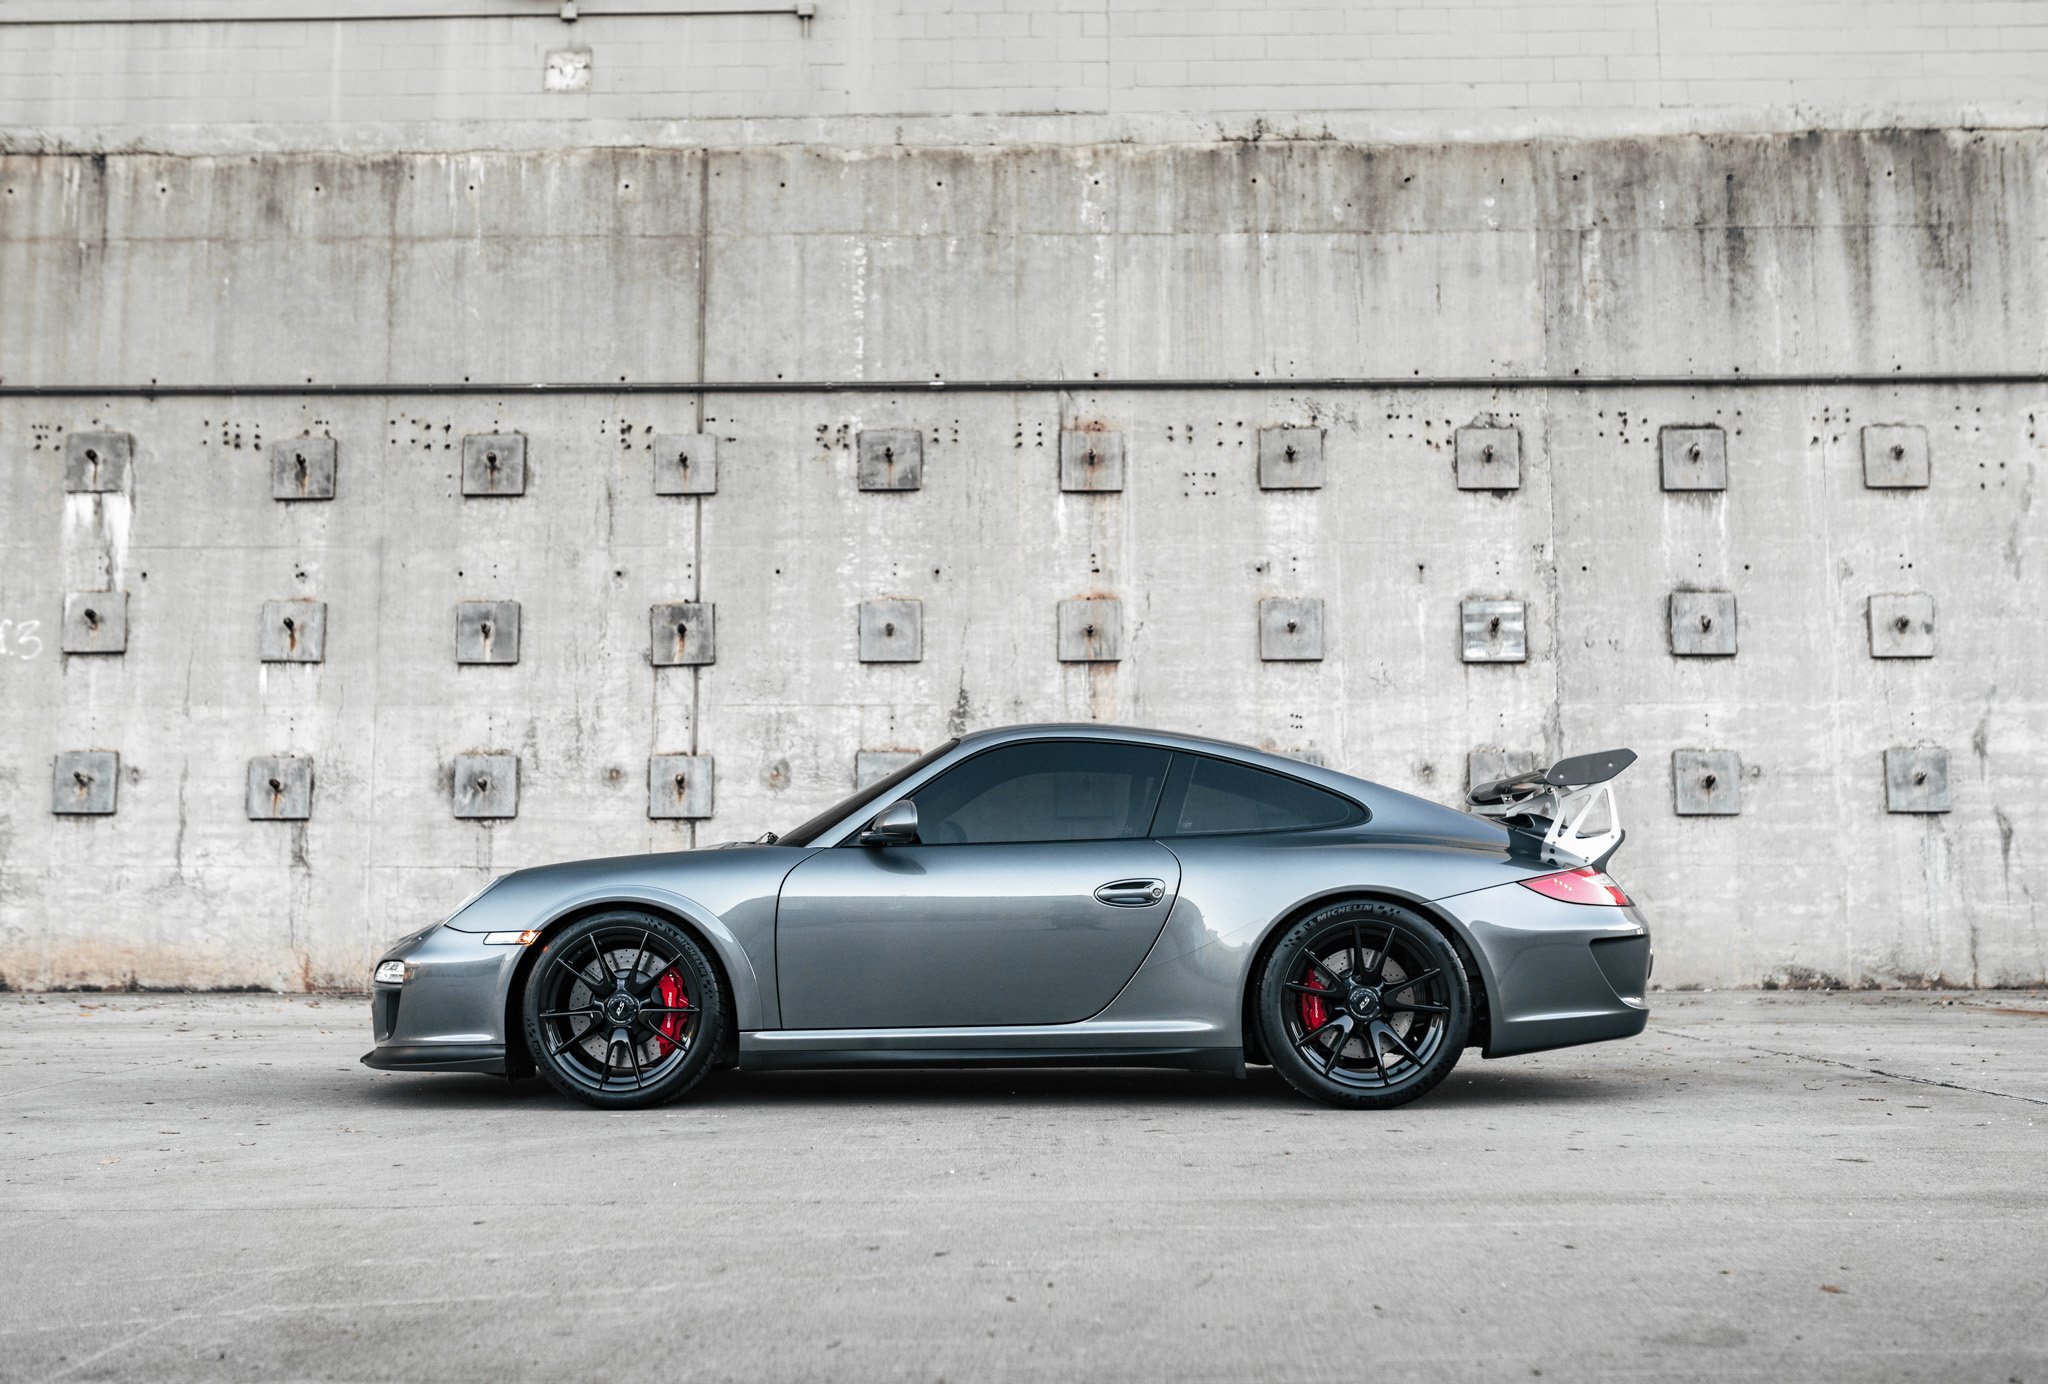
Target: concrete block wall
x,y
204,74
1788,290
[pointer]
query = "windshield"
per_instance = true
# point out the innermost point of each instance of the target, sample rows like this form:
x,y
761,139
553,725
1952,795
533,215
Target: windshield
x,y
874,795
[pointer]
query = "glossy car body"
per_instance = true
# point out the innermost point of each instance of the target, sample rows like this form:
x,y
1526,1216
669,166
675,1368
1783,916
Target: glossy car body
x,y
835,953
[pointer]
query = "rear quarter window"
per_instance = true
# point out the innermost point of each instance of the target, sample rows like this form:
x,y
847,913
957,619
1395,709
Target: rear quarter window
x,y
1214,797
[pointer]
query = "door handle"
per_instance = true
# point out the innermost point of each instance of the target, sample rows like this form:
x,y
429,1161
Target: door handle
x,y
1132,893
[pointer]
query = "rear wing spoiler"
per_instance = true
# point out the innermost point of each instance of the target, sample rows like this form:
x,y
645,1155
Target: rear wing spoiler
x,y
1571,804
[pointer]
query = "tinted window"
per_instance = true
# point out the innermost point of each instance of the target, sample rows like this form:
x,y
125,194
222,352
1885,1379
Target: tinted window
x,y
1047,790
1212,796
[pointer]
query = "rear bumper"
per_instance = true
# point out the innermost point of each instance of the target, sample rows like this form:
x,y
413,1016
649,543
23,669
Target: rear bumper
x,y
1557,974
1541,1033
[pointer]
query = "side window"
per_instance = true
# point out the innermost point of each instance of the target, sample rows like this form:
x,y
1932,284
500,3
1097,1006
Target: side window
x,y
1045,790
1212,797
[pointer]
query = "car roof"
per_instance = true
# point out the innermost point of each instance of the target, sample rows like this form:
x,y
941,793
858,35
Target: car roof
x,y
1348,784
1393,813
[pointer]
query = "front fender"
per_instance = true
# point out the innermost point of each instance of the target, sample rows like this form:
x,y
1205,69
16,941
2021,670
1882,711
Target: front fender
x,y
739,966
726,896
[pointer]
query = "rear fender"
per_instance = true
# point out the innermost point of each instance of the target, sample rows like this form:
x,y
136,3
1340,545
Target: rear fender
x,y
1478,974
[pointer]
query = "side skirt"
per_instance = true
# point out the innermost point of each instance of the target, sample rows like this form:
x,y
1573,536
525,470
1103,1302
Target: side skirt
x,y
755,1059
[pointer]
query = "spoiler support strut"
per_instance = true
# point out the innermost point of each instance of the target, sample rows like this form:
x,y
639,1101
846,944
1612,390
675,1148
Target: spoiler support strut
x,y
1564,802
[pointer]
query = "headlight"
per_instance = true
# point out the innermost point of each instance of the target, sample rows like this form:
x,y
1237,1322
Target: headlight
x,y
393,972
510,939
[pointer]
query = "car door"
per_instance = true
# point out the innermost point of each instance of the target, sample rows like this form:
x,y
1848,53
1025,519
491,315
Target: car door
x,y
1031,896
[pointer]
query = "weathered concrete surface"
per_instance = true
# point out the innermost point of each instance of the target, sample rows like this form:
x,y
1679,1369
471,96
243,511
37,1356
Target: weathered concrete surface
x,y
1879,251
1721,257
1841,1187
941,71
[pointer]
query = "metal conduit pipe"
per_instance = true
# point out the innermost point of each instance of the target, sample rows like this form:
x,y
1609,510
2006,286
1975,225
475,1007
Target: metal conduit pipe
x,y
66,15
1036,385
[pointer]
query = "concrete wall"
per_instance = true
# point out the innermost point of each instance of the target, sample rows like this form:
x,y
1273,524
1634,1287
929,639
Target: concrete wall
x,y
1910,263
1002,71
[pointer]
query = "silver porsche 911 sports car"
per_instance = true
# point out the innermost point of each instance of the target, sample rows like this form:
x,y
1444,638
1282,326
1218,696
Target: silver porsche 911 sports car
x,y
1054,896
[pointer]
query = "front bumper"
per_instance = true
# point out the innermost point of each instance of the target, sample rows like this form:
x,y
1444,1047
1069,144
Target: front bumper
x,y
1557,974
449,1014
437,1057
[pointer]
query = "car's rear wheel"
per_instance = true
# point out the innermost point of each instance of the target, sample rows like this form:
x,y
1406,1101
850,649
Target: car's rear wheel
x,y
1365,1005
623,1010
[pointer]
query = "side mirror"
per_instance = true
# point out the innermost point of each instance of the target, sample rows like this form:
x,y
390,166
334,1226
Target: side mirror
x,y
894,825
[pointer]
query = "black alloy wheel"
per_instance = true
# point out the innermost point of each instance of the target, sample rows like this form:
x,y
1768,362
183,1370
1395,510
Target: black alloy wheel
x,y
1364,1005
623,1011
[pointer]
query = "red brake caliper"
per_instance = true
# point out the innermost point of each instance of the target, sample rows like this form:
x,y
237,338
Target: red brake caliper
x,y
671,1026
1313,1012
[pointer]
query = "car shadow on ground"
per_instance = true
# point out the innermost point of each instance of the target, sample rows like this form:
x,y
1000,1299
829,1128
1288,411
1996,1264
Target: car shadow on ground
x,y
967,1088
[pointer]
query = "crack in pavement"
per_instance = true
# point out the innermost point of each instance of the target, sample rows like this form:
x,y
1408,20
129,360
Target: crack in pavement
x,y
1852,1067
126,1341
77,1077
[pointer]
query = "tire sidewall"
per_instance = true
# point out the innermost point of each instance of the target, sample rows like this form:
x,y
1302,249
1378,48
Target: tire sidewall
x,y
703,984
1287,1059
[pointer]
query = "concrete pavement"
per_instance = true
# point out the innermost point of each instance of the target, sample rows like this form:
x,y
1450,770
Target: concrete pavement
x,y
1765,1185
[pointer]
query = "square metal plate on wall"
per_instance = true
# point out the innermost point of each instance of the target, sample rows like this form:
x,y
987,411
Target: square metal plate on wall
x,y
680,786
1895,456
891,631
1693,458
1706,783
1291,629
1494,631
1902,625
683,634
97,461
280,789
872,766
487,632
566,69
494,464
685,463
1489,763
486,785
1290,458
1489,458
83,783
293,632
1703,624
889,459
1091,460
1091,631
95,622
302,468
1916,779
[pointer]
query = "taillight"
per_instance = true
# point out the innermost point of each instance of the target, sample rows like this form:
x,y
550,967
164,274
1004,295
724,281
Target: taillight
x,y
1583,885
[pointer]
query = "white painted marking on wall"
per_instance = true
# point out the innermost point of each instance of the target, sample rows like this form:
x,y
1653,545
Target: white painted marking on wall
x,y
27,643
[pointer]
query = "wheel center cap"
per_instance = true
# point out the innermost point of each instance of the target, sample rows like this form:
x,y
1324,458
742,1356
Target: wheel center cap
x,y
620,1009
1365,1004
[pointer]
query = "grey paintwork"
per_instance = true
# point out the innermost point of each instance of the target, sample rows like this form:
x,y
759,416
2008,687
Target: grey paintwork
x,y
961,936
839,953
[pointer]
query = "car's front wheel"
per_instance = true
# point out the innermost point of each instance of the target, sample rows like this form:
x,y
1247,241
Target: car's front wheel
x,y
623,1010
1364,1004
